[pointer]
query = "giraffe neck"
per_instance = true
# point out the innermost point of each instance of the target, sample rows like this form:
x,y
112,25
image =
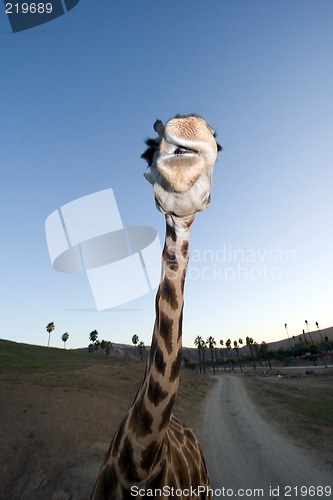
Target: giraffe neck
x,y
151,410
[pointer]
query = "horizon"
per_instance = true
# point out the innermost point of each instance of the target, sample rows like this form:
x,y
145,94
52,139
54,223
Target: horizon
x,y
218,346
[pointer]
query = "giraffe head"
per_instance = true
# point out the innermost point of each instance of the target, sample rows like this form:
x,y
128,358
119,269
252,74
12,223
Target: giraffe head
x,y
181,161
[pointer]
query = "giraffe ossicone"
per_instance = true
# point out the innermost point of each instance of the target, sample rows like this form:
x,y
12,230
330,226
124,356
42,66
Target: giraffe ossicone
x,y
152,451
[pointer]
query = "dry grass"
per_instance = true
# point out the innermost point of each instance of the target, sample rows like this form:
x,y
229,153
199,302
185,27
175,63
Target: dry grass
x,y
301,405
59,411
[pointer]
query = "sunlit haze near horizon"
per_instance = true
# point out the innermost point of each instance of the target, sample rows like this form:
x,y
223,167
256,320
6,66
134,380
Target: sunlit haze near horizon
x,y
79,96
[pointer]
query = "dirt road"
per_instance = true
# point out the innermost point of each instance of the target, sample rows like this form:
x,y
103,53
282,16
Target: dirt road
x,y
248,456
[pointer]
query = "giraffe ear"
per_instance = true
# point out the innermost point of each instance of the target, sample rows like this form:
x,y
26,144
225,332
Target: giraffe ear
x,y
219,147
150,177
148,155
159,127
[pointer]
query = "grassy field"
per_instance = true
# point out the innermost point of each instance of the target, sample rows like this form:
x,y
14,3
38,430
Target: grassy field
x,y
302,405
58,412
22,359
50,367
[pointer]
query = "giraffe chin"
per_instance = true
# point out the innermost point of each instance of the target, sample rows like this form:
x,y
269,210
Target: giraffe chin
x,y
181,173
183,203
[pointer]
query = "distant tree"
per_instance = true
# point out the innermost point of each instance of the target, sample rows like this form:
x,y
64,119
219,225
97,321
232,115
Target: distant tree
x,y
256,352
282,355
228,346
95,343
93,336
309,333
107,346
211,344
189,363
204,355
249,343
141,348
321,337
286,327
64,338
236,347
50,327
264,351
306,340
198,342
135,340
222,354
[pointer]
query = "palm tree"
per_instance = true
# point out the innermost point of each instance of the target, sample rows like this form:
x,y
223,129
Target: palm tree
x,y
285,325
309,332
249,343
203,346
256,352
306,340
141,348
236,347
221,344
107,346
64,338
264,350
228,346
50,327
321,337
198,342
93,336
211,343
240,341
135,340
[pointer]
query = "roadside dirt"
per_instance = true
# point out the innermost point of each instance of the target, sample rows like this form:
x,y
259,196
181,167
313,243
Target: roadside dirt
x,y
56,427
245,452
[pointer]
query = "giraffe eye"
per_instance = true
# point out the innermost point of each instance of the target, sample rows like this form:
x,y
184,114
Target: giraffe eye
x,y
183,151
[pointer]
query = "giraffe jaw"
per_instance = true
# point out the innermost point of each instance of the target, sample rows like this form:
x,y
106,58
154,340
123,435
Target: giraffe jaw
x,y
180,166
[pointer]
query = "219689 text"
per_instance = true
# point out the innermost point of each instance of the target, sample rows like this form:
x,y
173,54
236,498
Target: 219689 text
x,y
29,8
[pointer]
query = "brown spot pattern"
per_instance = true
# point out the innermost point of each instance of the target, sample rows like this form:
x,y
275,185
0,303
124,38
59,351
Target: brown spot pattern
x,y
126,461
160,364
175,368
168,293
141,420
171,232
166,331
166,413
170,260
155,392
151,455
180,323
184,249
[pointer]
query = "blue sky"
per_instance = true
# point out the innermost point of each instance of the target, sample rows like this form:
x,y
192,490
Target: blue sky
x,y
79,96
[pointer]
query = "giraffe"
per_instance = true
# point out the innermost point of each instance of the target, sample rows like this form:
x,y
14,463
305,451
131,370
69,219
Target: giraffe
x,y
153,454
